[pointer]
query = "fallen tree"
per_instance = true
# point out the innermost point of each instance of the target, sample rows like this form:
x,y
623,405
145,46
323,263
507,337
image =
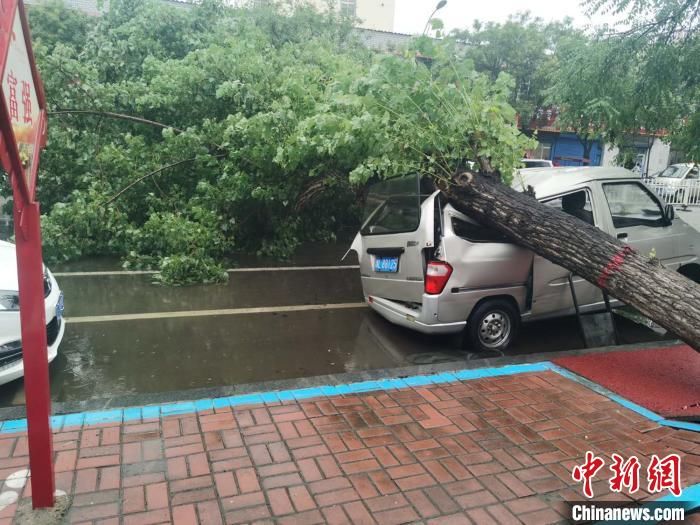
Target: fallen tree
x,y
437,121
639,280
289,122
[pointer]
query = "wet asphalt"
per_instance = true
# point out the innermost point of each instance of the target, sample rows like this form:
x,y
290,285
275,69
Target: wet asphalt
x,y
128,294
110,359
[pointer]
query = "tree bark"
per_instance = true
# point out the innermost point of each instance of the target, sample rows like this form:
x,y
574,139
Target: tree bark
x,y
664,296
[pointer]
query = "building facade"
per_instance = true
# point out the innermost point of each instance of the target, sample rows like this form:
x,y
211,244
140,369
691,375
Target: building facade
x,y
372,14
565,149
377,15
650,154
562,147
97,7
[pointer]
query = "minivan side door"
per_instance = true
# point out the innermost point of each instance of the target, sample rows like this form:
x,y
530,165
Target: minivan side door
x,y
551,292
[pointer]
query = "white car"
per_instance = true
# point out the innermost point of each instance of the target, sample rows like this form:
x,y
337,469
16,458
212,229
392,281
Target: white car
x,y
11,364
679,183
537,163
678,173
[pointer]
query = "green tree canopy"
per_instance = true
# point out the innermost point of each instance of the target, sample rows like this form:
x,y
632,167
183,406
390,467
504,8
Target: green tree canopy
x,y
526,48
253,129
642,75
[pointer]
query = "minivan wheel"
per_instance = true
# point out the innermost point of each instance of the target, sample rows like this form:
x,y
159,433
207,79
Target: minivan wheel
x,y
493,325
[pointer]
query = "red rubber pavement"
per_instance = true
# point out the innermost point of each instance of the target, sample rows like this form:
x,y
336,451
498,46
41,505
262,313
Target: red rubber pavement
x,y
664,380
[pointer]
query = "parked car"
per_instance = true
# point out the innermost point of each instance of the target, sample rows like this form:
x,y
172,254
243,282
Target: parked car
x,y
428,267
537,163
11,364
679,181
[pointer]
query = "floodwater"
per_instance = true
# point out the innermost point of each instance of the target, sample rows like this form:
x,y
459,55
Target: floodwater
x,y
127,294
108,358
309,254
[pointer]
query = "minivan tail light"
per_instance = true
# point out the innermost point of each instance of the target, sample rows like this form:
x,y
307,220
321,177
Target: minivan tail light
x,y
436,277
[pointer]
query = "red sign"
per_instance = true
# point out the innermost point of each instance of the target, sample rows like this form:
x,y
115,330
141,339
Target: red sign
x,y
22,96
23,127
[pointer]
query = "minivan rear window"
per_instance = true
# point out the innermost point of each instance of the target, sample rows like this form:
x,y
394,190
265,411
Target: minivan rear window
x,y
392,206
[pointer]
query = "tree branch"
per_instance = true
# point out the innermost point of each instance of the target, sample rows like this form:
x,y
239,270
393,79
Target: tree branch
x,y
110,114
150,174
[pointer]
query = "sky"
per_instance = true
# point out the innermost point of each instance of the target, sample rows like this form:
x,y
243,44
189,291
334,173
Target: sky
x,y
412,15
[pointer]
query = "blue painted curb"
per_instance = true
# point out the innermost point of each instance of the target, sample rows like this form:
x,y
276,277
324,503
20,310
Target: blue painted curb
x,y
689,499
191,407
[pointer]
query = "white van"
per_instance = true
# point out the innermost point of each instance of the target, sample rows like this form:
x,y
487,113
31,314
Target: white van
x,y
430,268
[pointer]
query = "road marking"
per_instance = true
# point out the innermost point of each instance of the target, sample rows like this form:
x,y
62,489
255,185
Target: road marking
x,y
230,270
293,268
114,272
209,313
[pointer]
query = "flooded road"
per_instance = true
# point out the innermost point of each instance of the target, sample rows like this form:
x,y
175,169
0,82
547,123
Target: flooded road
x,y
129,294
126,336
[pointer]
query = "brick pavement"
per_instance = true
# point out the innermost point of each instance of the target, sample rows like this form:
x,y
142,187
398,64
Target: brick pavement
x,y
493,450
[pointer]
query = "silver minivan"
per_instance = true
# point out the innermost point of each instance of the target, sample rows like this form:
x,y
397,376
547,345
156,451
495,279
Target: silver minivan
x,y
428,267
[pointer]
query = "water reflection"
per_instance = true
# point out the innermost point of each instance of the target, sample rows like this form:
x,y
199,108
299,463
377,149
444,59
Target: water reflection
x,y
7,228
308,254
121,294
109,360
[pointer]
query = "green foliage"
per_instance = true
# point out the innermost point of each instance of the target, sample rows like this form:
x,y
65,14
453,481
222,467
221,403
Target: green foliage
x,y
184,250
166,233
82,227
262,126
590,104
179,270
656,20
524,47
646,76
52,24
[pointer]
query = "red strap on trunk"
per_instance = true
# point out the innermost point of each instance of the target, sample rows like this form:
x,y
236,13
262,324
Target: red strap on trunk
x,y
613,266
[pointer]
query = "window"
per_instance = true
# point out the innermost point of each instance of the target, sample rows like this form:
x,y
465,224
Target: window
x,y
694,174
348,8
393,206
633,205
535,163
542,151
473,232
577,204
673,172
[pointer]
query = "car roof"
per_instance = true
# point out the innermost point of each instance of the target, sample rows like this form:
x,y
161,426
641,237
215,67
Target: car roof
x,y
553,181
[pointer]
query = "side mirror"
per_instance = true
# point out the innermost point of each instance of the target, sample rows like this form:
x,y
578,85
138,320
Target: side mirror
x,y
670,212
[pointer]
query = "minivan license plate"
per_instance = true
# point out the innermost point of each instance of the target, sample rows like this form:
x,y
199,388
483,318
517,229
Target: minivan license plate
x,y
386,264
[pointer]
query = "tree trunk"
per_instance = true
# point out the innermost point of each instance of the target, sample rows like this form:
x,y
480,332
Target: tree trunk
x,y
663,295
587,144
587,147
